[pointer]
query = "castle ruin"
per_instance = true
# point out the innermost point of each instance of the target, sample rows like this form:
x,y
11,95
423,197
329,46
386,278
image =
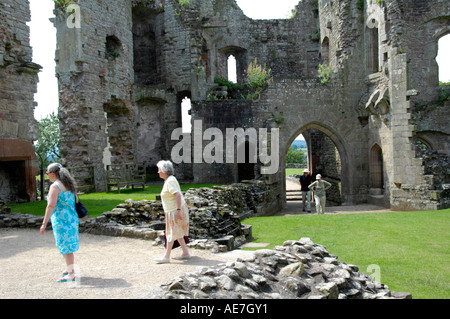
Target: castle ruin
x,y
125,66
124,72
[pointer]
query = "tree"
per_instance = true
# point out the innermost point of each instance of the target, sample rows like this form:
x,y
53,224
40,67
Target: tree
x,y
295,156
47,146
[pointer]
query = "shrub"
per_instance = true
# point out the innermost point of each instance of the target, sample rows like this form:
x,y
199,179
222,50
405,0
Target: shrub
x,y
256,77
324,73
61,5
184,3
231,86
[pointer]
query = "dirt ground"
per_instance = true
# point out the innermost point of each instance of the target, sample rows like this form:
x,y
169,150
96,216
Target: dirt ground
x,y
108,267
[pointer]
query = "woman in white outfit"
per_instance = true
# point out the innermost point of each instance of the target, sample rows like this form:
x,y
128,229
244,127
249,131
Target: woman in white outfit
x,y
176,213
319,188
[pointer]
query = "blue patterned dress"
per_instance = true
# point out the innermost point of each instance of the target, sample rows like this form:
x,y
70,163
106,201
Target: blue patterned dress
x,y
65,223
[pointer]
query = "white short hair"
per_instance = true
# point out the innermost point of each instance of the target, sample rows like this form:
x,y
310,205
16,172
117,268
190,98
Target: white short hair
x,y
166,167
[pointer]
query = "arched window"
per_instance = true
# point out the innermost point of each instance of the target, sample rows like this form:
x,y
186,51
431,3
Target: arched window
x,y
372,49
442,58
231,63
185,115
376,167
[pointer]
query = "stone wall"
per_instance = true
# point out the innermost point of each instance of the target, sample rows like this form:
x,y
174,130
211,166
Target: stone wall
x,y
432,126
95,73
18,83
3,208
434,193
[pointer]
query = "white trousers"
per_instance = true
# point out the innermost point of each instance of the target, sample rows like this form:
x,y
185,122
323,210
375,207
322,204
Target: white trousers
x,y
320,203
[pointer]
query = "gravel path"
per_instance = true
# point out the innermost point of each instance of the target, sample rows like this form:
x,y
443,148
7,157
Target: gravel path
x,y
109,267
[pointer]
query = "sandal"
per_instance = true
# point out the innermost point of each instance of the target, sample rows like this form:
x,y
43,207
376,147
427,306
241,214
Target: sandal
x,y
66,273
65,279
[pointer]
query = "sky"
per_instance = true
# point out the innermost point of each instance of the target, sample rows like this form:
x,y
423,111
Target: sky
x,y
43,41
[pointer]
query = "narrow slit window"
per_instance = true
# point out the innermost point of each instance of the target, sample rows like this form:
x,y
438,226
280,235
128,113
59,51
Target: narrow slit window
x,y
373,51
185,115
232,74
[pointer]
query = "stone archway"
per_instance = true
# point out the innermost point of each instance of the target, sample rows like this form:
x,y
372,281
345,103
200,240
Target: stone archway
x,y
329,141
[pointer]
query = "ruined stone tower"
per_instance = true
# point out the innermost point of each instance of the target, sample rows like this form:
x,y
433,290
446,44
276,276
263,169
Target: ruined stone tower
x,y
18,83
124,70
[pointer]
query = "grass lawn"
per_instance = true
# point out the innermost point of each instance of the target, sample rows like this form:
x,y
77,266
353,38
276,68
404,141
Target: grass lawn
x,y
292,171
411,249
97,203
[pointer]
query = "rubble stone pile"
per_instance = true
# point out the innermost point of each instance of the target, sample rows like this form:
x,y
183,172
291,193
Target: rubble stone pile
x,y
299,269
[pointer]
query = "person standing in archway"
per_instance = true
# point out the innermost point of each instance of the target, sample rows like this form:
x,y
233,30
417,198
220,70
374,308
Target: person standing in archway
x,y
319,188
305,181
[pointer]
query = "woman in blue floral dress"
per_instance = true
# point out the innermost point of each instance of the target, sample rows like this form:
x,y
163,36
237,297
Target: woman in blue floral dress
x,y
61,211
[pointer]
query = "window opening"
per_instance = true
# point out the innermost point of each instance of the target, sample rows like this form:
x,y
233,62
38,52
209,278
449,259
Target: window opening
x,y
373,48
185,115
376,167
232,74
325,52
442,58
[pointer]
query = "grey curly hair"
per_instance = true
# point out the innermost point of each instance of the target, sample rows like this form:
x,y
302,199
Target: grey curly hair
x,y
64,176
166,167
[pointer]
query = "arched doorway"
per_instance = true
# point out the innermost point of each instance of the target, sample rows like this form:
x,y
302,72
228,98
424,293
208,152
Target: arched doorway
x,y
296,163
325,156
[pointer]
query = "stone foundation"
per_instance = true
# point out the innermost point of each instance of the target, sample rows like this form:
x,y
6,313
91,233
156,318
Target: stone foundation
x,y
3,208
297,270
